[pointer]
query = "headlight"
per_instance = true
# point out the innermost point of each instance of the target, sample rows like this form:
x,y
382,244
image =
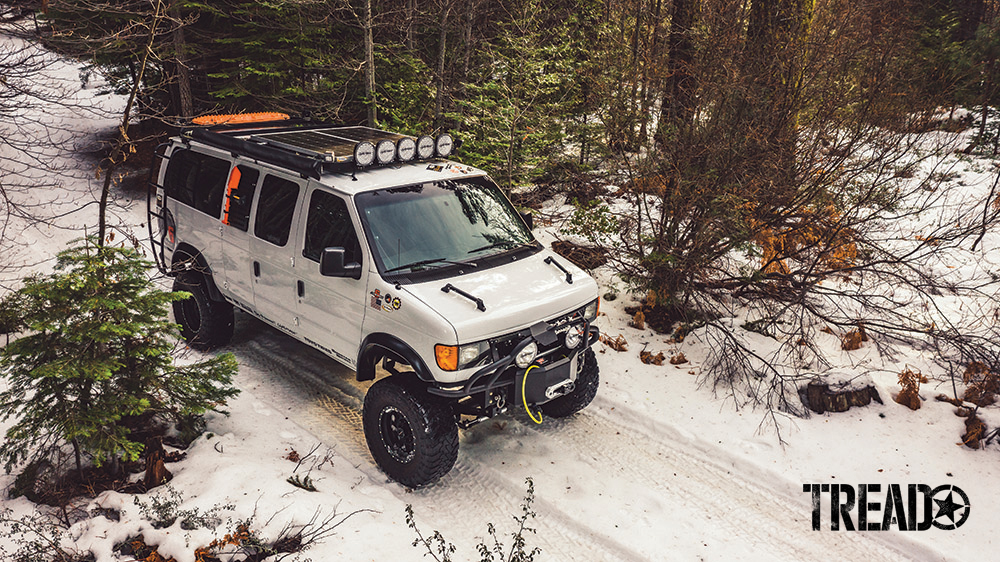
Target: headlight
x,y
573,338
469,354
591,310
526,355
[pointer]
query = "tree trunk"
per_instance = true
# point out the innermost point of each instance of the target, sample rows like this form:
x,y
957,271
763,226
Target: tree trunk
x,y
369,64
442,52
470,17
773,66
185,98
76,456
677,106
411,12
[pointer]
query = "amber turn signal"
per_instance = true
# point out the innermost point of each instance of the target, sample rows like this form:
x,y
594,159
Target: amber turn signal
x,y
446,357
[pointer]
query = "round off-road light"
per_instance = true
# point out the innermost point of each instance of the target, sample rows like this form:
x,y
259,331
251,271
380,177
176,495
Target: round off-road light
x,y
425,147
406,149
573,338
385,151
526,355
444,145
364,153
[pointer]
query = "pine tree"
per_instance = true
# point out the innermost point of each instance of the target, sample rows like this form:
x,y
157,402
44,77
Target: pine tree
x,y
97,361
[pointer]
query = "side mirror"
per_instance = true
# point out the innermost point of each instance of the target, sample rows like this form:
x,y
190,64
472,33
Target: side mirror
x,y
526,217
331,264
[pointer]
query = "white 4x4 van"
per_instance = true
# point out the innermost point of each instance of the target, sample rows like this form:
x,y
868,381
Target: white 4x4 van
x,y
371,247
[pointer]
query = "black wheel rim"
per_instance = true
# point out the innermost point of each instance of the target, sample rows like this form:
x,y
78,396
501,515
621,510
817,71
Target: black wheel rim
x,y
397,435
192,315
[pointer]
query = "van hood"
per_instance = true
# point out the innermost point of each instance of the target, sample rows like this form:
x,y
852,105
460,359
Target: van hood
x,y
516,295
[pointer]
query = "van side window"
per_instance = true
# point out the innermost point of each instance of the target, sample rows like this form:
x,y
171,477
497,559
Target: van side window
x,y
329,225
239,194
275,208
197,180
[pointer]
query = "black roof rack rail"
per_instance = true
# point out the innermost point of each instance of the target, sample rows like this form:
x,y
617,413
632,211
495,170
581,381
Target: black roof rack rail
x,y
304,165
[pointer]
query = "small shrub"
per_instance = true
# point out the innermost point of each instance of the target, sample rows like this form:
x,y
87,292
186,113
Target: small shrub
x,y
305,483
441,550
638,320
909,395
618,343
245,543
37,539
851,340
650,359
975,430
983,384
163,510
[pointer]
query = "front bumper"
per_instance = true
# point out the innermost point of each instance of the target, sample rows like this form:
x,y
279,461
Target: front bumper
x,y
550,372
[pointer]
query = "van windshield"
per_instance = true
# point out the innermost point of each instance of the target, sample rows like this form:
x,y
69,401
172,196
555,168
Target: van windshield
x,y
439,224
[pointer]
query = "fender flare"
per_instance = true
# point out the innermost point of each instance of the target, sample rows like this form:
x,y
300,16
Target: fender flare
x,y
187,258
380,344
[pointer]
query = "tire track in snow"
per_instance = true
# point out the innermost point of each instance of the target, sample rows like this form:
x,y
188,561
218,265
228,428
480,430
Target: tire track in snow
x,y
772,525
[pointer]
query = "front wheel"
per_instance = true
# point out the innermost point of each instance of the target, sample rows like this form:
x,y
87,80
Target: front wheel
x,y
411,434
587,381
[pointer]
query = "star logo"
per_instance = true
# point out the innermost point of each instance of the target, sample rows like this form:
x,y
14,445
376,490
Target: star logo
x,y
952,507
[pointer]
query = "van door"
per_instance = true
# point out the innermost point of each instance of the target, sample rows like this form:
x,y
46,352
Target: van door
x,y
236,260
272,258
331,309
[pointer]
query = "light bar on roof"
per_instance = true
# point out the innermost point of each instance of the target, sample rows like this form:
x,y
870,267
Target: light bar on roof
x,y
345,146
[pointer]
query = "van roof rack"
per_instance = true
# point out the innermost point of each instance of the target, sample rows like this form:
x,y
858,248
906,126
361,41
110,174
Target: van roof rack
x,y
312,148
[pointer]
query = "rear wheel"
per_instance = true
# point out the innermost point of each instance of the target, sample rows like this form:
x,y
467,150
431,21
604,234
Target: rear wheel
x,y
205,323
587,381
411,434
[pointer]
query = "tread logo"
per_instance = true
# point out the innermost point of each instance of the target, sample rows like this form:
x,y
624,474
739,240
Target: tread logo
x,y
918,508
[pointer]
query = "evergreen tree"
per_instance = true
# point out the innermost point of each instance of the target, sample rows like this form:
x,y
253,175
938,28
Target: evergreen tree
x,y
97,361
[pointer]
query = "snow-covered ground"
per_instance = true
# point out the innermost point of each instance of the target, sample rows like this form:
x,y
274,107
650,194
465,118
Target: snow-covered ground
x,y
658,468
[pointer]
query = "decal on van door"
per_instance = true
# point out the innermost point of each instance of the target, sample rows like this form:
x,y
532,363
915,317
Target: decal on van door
x,y
385,301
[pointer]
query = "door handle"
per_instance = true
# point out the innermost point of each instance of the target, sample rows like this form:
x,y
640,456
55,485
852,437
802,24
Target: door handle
x,y
302,289
256,269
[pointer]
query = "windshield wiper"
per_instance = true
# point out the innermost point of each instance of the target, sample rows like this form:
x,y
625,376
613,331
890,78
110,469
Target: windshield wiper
x,y
500,244
429,262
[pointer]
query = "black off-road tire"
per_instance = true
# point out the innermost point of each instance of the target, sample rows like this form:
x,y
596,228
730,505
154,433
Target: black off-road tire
x,y
205,323
412,435
587,381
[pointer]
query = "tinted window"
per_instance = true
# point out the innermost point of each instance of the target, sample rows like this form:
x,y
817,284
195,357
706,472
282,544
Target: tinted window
x,y
329,225
239,195
274,209
197,180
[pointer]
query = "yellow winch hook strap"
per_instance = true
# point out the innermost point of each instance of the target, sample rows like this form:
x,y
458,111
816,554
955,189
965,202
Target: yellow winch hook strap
x,y
524,397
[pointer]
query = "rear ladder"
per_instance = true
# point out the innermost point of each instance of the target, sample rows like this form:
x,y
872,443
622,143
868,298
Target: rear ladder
x,y
157,212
